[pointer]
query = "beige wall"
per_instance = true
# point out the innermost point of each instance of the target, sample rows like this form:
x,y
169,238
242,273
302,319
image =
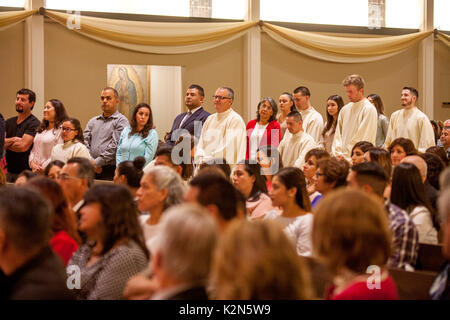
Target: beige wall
x,y
165,88
284,69
12,67
441,80
75,69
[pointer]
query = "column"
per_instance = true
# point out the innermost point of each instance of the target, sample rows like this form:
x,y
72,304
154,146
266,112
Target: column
x,y
252,63
426,60
34,54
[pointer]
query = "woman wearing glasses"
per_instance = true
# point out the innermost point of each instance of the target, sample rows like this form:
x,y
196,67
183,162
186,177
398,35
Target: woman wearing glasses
x,y
264,130
47,136
331,174
73,146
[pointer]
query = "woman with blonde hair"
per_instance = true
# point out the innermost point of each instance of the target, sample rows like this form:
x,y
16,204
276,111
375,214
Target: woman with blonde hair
x,y
351,236
247,262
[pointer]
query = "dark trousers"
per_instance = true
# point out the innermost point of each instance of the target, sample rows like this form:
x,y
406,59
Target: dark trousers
x,y
107,173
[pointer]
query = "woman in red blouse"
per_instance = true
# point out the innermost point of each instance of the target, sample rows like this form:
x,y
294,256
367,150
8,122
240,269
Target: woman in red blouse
x,y
65,237
351,236
264,130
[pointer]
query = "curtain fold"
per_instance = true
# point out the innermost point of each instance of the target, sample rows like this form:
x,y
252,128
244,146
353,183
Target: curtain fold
x,y
445,38
10,18
182,38
343,49
154,37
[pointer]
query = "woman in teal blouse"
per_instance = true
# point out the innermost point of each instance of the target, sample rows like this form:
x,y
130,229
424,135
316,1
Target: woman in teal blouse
x,y
140,139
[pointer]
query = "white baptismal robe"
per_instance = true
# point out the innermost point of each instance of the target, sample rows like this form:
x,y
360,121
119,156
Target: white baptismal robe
x,y
412,124
356,122
294,147
223,136
312,123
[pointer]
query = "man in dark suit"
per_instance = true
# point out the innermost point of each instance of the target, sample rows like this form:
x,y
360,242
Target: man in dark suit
x,y
187,122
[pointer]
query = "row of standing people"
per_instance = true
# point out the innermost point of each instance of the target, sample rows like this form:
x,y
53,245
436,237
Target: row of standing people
x,y
31,144
110,139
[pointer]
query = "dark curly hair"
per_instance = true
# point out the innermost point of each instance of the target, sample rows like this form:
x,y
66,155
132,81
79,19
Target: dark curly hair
x,y
60,115
406,144
119,213
148,126
434,168
334,170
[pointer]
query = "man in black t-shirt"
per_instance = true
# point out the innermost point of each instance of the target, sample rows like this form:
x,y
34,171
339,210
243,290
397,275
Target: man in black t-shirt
x,y
20,132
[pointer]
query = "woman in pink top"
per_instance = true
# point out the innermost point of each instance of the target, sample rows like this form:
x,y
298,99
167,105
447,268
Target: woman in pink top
x,y
48,135
351,236
65,237
247,179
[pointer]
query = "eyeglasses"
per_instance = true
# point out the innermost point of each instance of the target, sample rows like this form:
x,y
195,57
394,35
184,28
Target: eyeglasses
x,y
68,129
65,176
220,97
263,106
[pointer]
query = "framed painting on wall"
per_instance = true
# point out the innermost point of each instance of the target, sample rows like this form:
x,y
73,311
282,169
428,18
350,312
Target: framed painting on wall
x,y
132,82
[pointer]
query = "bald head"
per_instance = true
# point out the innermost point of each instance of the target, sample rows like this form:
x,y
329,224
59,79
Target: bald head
x,y
419,163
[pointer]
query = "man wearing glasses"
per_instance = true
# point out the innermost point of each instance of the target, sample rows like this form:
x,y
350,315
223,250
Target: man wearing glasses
x,y
223,134
75,178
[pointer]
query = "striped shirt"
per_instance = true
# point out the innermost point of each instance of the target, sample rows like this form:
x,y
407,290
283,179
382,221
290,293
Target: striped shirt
x,y
405,238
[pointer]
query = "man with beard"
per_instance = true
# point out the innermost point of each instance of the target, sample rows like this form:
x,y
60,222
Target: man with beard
x,y
411,123
357,120
20,132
